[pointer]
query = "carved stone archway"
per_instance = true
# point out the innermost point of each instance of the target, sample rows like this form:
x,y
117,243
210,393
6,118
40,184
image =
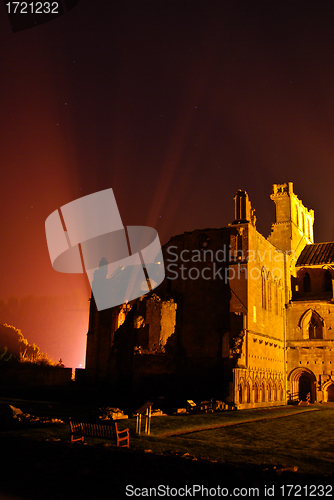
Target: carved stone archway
x,y
328,392
302,381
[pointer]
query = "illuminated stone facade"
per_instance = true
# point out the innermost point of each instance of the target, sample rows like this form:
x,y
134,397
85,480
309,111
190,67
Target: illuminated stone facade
x,y
310,325
239,317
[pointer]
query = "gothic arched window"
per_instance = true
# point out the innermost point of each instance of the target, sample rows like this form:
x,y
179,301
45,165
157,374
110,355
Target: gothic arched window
x,y
264,289
269,292
315,327
280,298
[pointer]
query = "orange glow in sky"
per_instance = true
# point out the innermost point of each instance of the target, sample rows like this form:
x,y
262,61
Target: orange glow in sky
x,y
173,105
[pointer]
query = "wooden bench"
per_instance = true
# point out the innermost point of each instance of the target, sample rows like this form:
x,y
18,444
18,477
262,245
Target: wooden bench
x,y
100,429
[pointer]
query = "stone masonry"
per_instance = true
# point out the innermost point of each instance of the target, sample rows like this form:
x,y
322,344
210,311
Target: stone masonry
x,y
239,317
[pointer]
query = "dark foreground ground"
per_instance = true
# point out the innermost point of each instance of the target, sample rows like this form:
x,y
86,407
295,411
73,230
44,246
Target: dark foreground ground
x,y
54,468
61,470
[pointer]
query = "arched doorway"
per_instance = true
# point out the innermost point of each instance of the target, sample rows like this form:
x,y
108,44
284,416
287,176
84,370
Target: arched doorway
x,y
330,393
302,381
305,386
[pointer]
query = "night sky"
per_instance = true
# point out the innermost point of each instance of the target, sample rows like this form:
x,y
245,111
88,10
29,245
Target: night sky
x,y
173,104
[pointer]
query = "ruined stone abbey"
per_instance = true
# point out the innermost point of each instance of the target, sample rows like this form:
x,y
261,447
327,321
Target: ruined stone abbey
x,y
239,317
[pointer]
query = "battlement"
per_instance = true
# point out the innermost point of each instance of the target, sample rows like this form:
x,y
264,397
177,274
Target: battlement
x,y
282,189
293,221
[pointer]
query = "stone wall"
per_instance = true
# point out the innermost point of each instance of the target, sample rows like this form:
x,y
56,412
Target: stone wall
x,y
232,318
310,346
259,376
29,375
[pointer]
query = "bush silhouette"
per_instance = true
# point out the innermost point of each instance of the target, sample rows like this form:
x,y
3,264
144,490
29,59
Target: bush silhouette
x,y
13,344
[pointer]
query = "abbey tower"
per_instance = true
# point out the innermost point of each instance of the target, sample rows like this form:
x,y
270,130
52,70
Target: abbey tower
x,y
239,317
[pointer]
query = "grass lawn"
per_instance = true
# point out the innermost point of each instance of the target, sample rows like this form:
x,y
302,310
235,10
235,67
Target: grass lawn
x,y
303,438
233,445
293,436
174,425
